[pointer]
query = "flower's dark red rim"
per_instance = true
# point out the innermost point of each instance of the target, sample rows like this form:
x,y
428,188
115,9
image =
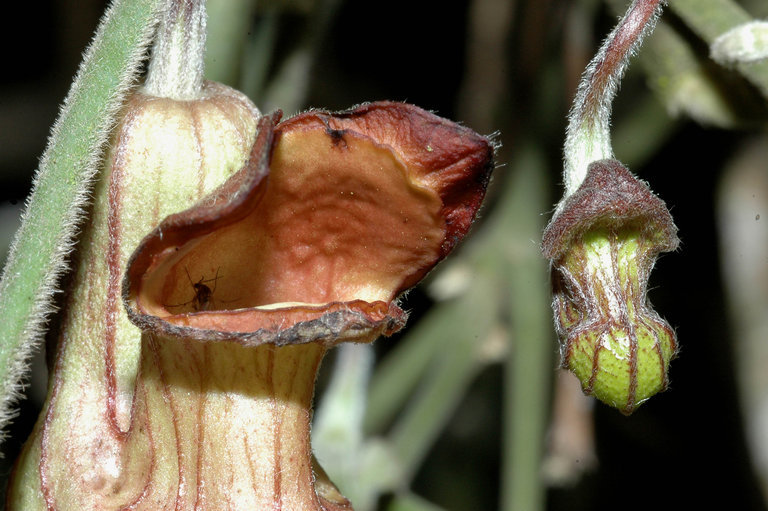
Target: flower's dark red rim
x,y
424,141
610,196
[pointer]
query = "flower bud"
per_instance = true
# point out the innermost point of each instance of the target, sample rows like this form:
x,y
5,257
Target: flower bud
x,y
603,242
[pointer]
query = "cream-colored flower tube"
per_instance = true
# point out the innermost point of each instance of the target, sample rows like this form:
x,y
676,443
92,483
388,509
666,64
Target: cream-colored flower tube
x,y
165,154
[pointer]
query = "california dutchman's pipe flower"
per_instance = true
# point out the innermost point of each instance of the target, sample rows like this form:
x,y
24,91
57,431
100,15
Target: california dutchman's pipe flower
x,y
239,297
333,212
603,243
207,404
604,239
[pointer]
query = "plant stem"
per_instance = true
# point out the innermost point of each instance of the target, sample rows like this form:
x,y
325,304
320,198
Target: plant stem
x,y
447,380
229,23
337,432
529,372
410,502
588,136
464,324
177,64
399,373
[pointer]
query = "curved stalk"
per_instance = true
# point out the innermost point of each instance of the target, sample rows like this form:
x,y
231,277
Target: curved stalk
x,y
176,68
588,136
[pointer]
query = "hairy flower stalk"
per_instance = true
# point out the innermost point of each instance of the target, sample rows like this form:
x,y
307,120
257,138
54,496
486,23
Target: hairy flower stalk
x,y
604,239
165,154
588,137
176,68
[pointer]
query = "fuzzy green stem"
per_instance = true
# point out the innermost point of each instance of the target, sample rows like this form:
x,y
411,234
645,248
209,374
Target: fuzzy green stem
x,y
38,252
588,136
177,64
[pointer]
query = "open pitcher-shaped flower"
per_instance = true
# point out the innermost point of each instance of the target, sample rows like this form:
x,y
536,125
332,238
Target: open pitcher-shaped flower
x,y
239,297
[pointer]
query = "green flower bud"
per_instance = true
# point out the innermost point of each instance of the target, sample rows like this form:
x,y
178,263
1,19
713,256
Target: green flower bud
x,y
603,242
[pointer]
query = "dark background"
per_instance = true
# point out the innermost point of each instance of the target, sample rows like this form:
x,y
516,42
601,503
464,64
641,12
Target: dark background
x,y
684,449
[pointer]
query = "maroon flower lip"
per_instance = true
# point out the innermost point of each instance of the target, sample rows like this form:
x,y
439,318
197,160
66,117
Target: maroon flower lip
x,y
610,196
332,217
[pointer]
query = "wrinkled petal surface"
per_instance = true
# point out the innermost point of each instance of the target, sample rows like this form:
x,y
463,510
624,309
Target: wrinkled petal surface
x,y
331,219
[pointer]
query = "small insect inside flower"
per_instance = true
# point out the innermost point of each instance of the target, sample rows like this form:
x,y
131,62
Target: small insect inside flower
x,y
203,299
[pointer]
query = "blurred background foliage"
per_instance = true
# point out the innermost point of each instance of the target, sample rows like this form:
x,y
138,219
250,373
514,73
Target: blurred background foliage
x,y
465,410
